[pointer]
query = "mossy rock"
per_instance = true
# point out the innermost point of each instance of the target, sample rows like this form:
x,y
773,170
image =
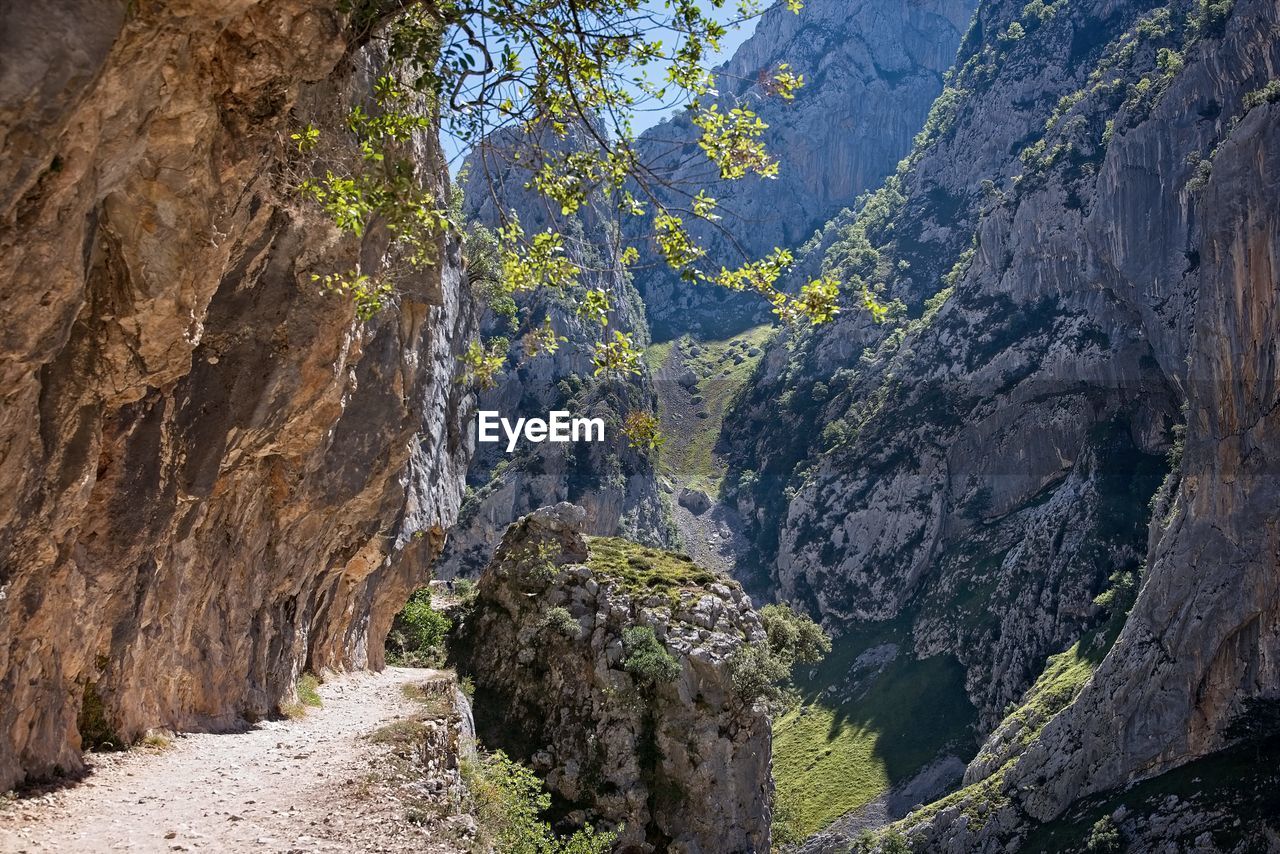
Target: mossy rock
x,y
643,569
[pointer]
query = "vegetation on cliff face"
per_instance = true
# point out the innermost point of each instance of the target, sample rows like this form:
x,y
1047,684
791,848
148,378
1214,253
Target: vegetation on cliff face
x,y
697,381
632,721
509,801
417,636
642,569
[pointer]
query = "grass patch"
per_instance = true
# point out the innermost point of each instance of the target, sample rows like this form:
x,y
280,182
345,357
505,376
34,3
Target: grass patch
x,y
833,753
1063,677
309,691
404,733
642,569
436,696
723,368
157,741
308,697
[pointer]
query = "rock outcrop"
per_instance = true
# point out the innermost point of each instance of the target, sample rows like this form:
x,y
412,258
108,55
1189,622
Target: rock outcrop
x,y
214,475
682,760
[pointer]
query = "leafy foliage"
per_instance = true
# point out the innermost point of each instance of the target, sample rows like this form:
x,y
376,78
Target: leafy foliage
x,y
646,658
642,431
760,672
418,632
794,638
484,362
508,801
568,78
1104,837
1269,94
380,185
559,621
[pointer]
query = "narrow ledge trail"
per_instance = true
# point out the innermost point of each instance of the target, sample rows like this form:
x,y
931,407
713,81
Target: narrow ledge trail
x,y
314,784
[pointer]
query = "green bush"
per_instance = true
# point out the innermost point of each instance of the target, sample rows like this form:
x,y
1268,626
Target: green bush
x,y
793,637
559,621
418,633
885,842
762,672
646,658
894,842
508,800
96,731
465,590
1104,837
756,673
1268,94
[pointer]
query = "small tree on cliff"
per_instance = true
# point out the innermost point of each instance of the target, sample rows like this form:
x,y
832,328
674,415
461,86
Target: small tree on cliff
x,y
567,77
761,672
645,658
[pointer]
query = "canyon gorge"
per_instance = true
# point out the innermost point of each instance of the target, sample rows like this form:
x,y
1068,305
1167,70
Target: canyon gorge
x,y
1025,480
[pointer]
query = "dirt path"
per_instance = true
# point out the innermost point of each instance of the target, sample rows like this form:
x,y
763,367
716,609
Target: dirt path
x,y
307,785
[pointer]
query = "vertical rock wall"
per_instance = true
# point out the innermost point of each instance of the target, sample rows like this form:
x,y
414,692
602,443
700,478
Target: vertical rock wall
x,y
1205,633
213,475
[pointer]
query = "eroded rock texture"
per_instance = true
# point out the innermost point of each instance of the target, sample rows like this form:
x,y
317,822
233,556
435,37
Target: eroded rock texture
x,y
989,464
214,476
684,764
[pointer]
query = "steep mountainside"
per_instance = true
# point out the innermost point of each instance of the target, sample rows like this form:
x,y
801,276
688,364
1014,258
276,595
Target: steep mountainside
x,y
871,70
215,475
1085,243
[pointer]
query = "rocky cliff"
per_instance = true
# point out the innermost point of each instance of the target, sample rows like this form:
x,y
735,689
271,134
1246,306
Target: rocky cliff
x,y
871,70
215,475
678,757
1084,244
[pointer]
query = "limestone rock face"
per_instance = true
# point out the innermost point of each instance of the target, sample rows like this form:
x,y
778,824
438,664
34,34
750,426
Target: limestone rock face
x,y
987,465
871,69
1204,635
684,764
214,475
